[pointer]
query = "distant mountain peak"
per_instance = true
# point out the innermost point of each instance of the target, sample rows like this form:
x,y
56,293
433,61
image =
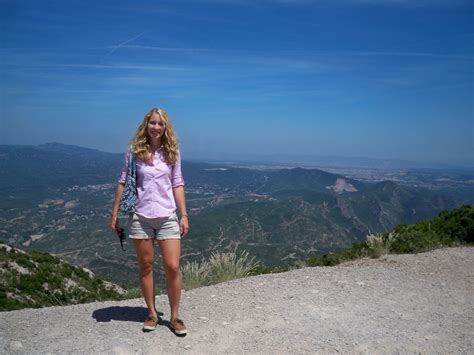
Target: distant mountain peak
x,y
64,147
52,144
341,185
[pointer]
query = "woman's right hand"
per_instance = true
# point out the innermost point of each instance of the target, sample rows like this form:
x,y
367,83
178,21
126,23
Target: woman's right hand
x,y
114,224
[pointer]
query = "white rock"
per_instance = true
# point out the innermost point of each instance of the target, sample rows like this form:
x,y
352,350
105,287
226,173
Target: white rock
x,y
16,345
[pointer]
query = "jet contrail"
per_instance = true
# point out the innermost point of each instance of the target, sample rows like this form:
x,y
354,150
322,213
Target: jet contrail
x,y
125,42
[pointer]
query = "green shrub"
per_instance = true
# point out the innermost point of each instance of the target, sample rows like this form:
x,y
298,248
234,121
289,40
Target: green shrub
x,y
195,274
220,267
42,257
357,250
415,241
264,269
325,260
380,244
458,224
449,228
230,266
21,290
24,261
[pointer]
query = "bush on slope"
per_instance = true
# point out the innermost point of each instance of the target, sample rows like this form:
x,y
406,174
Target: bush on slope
x,y
37,279
449,228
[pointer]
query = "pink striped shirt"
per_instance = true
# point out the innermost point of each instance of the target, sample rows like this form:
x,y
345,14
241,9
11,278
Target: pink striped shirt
x,y
155,184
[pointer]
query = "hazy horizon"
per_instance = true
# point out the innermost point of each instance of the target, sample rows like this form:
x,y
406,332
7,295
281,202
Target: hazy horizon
x,y
355,79
289,160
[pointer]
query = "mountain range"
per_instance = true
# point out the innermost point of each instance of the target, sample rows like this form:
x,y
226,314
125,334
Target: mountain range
x,y
58,198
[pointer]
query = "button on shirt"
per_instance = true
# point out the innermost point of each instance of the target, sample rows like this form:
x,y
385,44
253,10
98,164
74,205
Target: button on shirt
x,y
155,183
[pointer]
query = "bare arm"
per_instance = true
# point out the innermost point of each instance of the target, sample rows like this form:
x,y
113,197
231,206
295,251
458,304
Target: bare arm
x,y
114,224
180,199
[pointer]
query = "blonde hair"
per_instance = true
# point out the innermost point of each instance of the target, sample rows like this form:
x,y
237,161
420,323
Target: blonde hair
x,y
141,141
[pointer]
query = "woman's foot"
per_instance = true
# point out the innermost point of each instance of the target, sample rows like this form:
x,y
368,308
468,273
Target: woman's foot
x,y
150,323
178,327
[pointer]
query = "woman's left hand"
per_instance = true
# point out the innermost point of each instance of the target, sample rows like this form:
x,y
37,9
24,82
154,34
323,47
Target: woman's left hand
x,y
183,226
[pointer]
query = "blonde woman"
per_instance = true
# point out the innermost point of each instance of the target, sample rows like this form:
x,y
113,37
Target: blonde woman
x,y
160,188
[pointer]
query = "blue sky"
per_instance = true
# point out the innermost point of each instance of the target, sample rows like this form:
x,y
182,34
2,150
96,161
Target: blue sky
x,y
389,79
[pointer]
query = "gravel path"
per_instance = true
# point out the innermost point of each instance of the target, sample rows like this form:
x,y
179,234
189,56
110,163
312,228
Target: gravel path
x,y
395,304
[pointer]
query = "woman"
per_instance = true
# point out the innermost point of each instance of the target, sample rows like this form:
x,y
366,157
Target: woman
x,y
160,188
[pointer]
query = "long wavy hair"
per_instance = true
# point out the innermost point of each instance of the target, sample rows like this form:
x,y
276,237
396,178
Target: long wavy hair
x,y
141,141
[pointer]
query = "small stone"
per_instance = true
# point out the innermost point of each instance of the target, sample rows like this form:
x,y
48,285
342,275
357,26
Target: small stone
x,y
225,323
16,345
205,319
187,347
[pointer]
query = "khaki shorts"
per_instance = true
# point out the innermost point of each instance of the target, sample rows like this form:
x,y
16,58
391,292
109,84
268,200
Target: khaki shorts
x,y
160,228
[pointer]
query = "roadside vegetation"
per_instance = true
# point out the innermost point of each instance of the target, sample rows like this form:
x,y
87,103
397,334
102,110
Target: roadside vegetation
x,y
37,279
448,229
221,266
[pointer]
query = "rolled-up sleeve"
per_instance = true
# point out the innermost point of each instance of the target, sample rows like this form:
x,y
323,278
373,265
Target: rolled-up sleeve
x,y
176,175
123,173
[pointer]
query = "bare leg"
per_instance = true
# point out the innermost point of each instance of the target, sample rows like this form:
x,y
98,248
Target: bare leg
x,y
146,256
171,251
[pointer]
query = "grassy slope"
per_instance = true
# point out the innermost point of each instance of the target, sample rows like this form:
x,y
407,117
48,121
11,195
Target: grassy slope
x,y
37,279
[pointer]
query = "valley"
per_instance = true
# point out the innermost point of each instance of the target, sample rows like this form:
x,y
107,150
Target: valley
x,y
281,216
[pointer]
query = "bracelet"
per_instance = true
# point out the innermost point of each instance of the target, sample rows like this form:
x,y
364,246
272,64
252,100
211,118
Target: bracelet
x,y
184,215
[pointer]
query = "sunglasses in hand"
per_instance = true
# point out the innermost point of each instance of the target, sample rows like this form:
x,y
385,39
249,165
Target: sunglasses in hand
x,y
121,235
